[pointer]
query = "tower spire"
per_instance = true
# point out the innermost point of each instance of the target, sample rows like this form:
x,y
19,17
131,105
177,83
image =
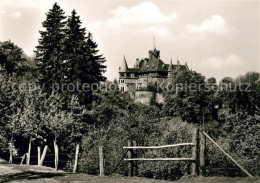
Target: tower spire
x,y
154,43
123,67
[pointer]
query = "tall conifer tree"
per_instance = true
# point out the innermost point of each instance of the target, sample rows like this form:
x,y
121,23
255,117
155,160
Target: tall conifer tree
x,y
96,61
74,47
49,53
92,68
84,65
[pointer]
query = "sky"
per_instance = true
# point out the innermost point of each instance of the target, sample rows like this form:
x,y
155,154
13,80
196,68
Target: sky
x,y
216,38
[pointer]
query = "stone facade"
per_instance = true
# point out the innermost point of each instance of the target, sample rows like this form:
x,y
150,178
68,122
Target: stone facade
x,y
147,70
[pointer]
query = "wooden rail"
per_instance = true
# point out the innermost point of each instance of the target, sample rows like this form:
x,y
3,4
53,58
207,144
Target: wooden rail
x,y
132,154
159,147
159,159
246,172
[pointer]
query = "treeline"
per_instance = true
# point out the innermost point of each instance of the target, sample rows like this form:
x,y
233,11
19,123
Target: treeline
x,y
196,99
33,109
229,111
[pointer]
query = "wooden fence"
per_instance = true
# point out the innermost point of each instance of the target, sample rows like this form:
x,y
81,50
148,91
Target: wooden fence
x,y
198,154
41,157
132,154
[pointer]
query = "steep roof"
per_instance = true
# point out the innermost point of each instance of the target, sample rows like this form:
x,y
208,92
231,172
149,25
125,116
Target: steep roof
x,y
123,67
152,64
133,70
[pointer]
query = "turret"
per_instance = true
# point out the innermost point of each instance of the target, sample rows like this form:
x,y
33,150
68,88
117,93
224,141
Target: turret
x,y
186,65
170,67
137,63
170,70
123,67
154,53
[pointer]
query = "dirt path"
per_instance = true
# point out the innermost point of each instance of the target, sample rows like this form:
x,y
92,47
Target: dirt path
x,y
36,174
23,173
8,170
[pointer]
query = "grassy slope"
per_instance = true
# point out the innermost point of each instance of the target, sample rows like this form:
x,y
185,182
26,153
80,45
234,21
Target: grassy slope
x,y
94,179
35,174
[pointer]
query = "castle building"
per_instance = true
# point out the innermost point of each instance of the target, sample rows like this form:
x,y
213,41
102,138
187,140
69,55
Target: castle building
x,y
147,70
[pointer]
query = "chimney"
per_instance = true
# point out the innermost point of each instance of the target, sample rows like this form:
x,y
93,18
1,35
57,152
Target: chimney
x,y
137,63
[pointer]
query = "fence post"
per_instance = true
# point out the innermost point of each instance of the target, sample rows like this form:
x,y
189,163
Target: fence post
x,y
11,152
130,155
76,158
43,154
39,154
135,168
29,153
23,157
202,140
56,154
101,161
194,166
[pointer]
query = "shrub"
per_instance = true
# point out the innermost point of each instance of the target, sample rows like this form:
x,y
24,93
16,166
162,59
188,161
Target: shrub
x,y
241,139
115,136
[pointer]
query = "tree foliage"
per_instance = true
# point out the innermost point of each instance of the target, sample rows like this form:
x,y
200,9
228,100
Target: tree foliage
x,y
50,51
12,58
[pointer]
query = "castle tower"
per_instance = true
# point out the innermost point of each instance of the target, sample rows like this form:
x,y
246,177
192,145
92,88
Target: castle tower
x,y
123,67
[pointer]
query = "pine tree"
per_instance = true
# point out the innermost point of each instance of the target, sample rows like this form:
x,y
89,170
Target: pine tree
x,y
77,58
97,67
84,65
91,69
49,53
74,47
